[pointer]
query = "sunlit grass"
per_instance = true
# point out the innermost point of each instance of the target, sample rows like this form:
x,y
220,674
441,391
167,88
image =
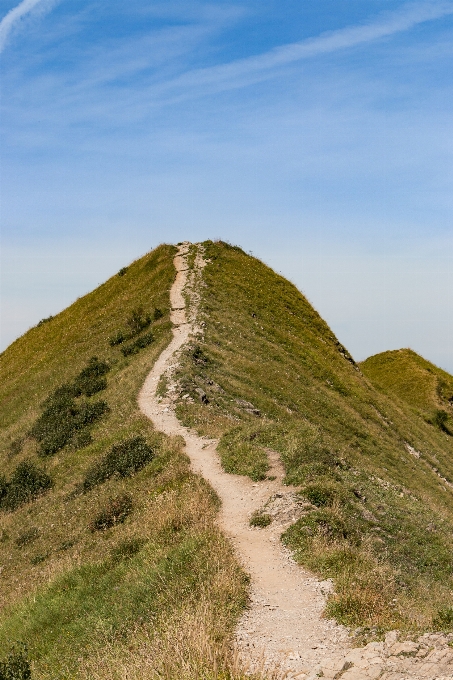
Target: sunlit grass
x,y
385,535
72,586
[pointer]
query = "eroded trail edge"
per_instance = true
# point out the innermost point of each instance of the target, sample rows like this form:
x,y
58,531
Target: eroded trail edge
x,y
283,625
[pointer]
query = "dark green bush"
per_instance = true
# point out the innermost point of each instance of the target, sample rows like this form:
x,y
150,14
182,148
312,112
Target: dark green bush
x,y
444,619
117,339
3,489
39,558
46,320
136,324
440,420
115,512
27,482
122,271
90,380
123,460
138,321
81,439
139,344
63,417
16,666
199,356
27,536
260,519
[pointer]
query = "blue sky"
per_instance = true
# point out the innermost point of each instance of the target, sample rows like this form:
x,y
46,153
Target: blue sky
x,y
317,135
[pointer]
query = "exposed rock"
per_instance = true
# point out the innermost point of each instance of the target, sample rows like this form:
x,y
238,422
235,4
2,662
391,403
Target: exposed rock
x,y
202,395
248,407
428,658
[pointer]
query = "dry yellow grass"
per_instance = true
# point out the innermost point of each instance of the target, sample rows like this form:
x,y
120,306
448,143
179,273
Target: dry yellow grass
x,y
75,596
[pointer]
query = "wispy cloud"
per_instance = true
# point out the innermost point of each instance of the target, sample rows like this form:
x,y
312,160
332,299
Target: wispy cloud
x,y
259,67
15,15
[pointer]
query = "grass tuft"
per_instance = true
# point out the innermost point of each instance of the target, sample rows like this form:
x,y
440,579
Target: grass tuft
x,y
115,512
260,519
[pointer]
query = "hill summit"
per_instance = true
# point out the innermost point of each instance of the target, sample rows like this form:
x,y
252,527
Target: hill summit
x,y
113,564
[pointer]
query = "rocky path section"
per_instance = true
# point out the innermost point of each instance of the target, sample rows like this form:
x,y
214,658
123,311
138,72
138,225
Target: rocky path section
x,y
428,658
283,626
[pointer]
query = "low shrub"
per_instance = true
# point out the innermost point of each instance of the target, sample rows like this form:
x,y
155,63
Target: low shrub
x,y
43,321
16,666
91,379
62,420
137,321
3,488
139,344
115,512
122,271
40,558
27,537
63,417
443,619
260,519
199,356
81,439
123,459
117,339
440,420
27,482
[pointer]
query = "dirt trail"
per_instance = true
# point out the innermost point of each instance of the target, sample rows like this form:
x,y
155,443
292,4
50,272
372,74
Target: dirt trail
x,y
283,625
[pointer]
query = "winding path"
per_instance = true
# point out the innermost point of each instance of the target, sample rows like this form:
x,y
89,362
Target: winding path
x,y
283,624
283,627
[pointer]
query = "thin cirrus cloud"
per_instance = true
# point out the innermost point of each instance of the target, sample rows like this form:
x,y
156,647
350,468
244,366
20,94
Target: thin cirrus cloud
x,y
13,18
252,69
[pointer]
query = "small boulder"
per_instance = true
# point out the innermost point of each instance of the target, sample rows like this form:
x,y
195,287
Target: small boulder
x,y
202,395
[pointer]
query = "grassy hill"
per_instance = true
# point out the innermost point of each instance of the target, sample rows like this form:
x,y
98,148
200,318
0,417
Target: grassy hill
x,y
377,474
404,374
110,560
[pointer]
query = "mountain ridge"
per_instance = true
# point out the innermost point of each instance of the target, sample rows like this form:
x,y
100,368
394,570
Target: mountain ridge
x,y
266,376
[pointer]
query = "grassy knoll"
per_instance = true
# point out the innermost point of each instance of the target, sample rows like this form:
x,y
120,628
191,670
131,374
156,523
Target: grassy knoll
x,y
118,553
275,376
417,382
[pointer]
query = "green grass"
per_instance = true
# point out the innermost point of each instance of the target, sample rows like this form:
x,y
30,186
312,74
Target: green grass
x,y
417,382
383,530
160,588
71,589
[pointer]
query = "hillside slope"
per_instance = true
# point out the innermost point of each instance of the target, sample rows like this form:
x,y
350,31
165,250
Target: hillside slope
x,y
111,561
272,376
419,383
108,546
